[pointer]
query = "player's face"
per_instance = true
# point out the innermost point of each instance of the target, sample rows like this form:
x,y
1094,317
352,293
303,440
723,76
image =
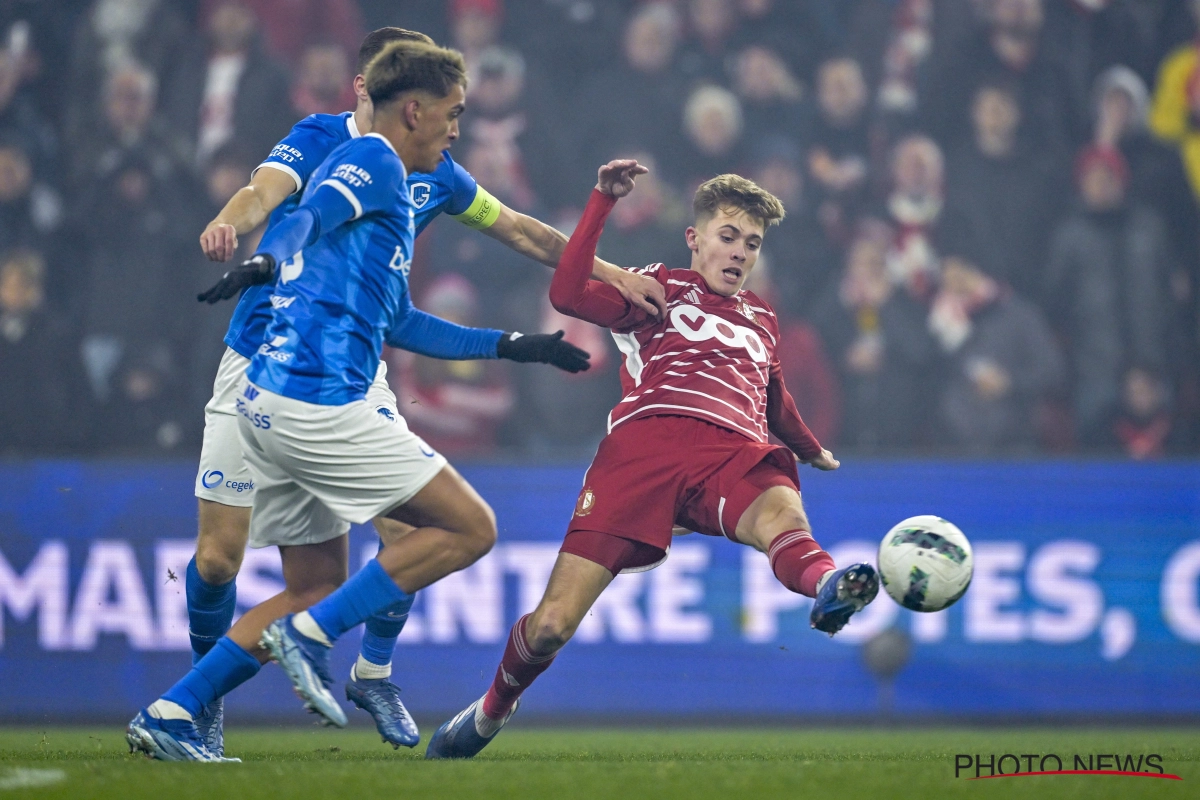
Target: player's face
x,y
438,128
725,249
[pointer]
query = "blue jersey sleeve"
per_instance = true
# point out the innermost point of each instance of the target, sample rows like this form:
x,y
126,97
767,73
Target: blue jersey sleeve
x,y
462,188
427,335
302,150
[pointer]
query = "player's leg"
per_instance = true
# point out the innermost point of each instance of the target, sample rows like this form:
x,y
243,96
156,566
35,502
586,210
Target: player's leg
x,y
775,523
533,643
370,686
166,728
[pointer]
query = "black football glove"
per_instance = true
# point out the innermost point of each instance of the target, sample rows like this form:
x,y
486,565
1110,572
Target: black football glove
x,y
544,348
257,270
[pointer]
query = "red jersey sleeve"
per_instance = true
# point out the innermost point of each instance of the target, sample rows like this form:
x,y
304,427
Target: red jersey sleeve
x,y
783,418
572,292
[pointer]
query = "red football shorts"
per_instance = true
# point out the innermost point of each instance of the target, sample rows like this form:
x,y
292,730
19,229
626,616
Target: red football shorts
x,y
653,473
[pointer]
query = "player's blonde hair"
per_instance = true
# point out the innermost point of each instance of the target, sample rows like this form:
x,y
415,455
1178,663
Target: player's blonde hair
x,y
735,192
414,66
376,40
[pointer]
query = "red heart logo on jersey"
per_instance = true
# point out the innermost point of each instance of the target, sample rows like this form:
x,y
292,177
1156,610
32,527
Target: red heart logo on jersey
x,y
694,324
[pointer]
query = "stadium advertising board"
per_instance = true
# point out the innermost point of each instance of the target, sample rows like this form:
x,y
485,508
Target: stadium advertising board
x,y
1085,600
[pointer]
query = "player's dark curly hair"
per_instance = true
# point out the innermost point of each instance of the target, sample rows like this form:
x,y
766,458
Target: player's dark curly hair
x,y
403,67
736,192
376,40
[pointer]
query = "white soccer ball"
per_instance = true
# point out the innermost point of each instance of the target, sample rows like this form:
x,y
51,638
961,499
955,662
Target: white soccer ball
x,y
925,563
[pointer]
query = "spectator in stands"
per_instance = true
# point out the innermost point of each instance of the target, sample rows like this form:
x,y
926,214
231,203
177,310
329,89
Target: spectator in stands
x,y
29,98
1105,284
646,82
323,82
1012,45
712,26
231,90
110,35
769,92
39,372
839,154
712,125
802,260
475,25
30,209
1145,426
133,216
456,406
876,340
1005,189
1090,36
512,134
1000,357
290,27
784,28
915,207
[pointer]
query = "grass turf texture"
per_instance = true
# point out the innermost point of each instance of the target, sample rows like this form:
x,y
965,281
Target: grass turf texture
x,y
526,763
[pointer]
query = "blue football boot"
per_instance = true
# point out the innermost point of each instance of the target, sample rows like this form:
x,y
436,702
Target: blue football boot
x,y
381,699
845,593
306,663
459,738
211,725
170,740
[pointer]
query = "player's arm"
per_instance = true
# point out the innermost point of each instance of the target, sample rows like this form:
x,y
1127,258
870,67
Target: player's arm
x,y
427,335
536,240
783,420
571,290
245,211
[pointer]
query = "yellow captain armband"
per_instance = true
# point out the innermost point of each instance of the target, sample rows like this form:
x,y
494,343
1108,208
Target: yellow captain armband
x,y
483,211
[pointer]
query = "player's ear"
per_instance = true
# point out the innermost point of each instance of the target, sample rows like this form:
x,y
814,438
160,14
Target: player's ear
x,y
360,89
690,235
412,113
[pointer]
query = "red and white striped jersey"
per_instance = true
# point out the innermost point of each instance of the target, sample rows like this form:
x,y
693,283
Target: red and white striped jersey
x,y
710,358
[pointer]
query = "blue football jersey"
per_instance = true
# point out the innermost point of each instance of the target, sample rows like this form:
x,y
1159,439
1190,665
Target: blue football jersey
x,y
449,189
335,299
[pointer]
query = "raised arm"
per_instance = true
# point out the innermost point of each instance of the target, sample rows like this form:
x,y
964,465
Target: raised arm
x,y
783,420
535,239
571,291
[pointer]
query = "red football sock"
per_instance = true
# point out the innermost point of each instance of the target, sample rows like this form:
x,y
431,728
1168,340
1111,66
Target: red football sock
x,y
798,561
517,670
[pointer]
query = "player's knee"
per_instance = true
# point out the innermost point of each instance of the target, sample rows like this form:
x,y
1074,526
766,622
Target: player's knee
x,y
549,631
480,531
783,514
216,562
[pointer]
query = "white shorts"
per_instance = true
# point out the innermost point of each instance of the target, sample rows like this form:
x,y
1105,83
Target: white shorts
x,y
223,477
318,468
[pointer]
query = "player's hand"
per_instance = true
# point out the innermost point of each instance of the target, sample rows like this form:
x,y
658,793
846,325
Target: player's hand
x,y
543,348
219,241
252,272
616,177
824,462
645,293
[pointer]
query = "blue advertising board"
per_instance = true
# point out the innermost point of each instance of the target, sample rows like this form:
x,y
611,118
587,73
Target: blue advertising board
x,y
1086,599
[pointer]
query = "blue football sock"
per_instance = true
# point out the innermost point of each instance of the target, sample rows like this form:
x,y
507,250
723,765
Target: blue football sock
x,y
210,610
379,638
368,591
226,667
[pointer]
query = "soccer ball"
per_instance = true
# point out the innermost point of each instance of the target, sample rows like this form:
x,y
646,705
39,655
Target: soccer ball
x,y
925,563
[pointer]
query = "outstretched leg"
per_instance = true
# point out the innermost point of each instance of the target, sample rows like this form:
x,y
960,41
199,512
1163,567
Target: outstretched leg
x,y
775,524
534,641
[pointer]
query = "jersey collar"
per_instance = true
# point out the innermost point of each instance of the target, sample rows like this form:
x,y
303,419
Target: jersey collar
x,y
352,126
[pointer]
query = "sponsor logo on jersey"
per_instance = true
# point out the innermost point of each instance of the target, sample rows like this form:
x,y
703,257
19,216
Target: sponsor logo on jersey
x,y
250,393
352,174
281,302
698,326
400,261
420,193
586,502
285,152
212,478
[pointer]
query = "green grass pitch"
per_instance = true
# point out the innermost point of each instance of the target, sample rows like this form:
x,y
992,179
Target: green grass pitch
x,y
528,762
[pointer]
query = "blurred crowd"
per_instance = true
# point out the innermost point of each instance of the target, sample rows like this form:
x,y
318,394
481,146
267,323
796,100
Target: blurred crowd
x,y
992,242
